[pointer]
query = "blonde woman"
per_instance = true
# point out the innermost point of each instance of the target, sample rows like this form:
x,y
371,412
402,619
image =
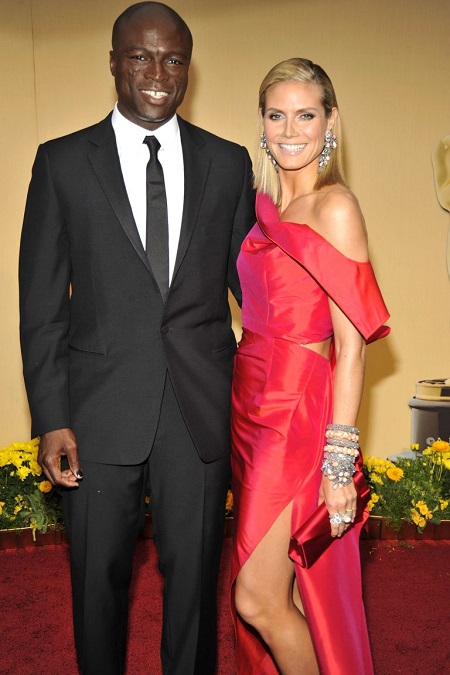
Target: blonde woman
x,y
310,305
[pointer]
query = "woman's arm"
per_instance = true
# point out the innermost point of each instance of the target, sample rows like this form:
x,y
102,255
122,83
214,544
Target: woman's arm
x,y
343,225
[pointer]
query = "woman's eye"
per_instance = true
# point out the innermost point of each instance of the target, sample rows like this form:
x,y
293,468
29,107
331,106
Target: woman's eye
x,y
274,116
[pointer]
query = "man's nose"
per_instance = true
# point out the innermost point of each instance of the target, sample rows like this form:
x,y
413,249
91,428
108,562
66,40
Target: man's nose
x,y
155,71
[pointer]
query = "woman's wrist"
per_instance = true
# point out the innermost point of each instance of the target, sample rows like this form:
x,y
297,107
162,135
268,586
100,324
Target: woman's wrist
x,y
340,453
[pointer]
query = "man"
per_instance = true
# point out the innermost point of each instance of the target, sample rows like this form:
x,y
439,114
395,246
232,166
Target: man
x,y
127,344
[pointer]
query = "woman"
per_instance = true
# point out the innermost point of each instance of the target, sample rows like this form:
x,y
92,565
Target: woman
x,y
310,304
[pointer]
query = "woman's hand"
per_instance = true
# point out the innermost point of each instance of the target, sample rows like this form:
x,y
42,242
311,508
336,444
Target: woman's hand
x,y
341,501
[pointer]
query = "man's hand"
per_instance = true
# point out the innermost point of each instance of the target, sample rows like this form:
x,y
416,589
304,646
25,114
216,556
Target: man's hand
x,y
54,445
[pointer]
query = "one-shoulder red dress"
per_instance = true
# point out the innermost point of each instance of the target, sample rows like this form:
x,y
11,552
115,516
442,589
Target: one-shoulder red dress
x,y
281,403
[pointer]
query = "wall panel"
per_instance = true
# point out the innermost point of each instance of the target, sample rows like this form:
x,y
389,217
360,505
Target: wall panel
x,y
18,146
389,62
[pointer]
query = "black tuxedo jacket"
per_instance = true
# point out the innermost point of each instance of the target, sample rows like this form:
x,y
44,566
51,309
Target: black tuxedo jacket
x,y
96,337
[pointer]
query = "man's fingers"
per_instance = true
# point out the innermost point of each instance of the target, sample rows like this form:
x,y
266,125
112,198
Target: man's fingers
x,y
53,446
74,464
68,479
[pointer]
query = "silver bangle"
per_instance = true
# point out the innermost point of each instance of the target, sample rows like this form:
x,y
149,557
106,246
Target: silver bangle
x,y
342,427
338,468
344,444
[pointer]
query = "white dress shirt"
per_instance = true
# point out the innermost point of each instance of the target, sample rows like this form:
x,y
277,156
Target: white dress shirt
x,y
134,156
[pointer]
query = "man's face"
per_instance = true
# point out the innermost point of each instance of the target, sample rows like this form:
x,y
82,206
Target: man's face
x,y
150,63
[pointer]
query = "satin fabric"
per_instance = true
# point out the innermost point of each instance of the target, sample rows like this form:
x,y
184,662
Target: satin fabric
x,y
282,400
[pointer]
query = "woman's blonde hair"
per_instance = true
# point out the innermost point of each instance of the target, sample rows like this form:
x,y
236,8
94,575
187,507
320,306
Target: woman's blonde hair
x,y
300,70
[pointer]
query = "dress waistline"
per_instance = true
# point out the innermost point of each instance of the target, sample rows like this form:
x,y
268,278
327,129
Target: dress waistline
x,y
251,336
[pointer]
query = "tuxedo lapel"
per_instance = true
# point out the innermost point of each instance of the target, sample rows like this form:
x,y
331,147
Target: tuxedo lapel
x,y
196,170
106,164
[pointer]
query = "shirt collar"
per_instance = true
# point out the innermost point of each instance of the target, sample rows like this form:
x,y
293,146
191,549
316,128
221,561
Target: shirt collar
x,y
132,133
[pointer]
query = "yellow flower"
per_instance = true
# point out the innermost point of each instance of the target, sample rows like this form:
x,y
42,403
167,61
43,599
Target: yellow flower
x,y
374,497
370,505
376,479
2,504
17,509
423,508
440,446
17,460
23,472
417,518
415,447
443,504
394,473
45,486
35,468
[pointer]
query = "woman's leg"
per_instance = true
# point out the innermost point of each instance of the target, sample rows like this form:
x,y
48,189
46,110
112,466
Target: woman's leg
x,y
264,599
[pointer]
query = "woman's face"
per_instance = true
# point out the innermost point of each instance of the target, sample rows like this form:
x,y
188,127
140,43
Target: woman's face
x,y
295,124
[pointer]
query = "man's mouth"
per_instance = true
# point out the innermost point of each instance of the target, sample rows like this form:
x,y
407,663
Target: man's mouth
x,y
155,94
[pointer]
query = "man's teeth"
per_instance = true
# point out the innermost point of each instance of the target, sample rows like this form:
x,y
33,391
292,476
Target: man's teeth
x,y
156,94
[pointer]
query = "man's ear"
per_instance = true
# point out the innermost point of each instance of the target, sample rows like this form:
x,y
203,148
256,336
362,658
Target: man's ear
x,y
112,63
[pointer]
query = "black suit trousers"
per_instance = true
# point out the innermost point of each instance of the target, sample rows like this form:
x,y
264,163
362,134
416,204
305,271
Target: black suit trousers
x,y
104,516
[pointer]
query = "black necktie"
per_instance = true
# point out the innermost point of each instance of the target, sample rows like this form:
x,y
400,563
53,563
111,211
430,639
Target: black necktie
x,y
157,238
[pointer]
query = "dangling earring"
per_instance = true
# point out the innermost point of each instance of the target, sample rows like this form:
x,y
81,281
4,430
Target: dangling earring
x,y
266,149
329,145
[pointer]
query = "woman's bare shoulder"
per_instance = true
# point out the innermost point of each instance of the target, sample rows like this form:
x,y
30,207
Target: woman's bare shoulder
x,y
338,218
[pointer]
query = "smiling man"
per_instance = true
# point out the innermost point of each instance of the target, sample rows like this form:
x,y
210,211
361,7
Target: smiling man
x,y
130,238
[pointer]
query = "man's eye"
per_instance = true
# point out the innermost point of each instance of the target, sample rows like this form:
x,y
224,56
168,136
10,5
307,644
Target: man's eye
x,y
138,57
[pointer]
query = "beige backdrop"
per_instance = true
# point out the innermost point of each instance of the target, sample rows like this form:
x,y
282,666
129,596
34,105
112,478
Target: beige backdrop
x,y
390,64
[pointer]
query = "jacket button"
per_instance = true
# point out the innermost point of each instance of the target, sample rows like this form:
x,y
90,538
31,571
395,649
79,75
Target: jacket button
x,y
165,330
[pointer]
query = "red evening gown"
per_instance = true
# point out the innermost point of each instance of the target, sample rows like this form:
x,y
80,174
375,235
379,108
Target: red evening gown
x,y
282,402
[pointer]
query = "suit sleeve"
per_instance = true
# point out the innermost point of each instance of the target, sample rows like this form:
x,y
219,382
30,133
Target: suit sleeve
x,y
44,291
244,219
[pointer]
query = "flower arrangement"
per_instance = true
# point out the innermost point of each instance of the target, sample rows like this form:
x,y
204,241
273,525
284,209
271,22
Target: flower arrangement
x,y
27,498
416,489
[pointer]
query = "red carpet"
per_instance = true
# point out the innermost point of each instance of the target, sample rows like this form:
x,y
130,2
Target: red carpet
x,y
407,594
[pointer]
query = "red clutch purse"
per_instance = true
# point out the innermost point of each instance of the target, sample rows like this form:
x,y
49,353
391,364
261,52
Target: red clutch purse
x,y
314,536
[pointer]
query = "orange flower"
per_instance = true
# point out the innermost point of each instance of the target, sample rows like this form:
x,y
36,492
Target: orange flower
x,y
45,486
229,503
440,446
